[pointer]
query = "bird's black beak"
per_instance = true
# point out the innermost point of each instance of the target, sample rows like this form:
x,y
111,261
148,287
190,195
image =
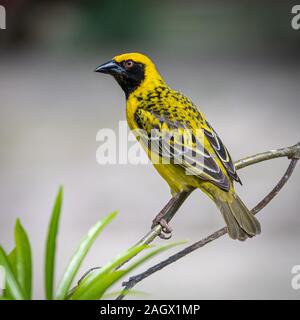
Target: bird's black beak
x,y
110,67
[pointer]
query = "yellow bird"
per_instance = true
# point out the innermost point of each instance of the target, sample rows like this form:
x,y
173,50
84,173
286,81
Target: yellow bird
x,y
183,146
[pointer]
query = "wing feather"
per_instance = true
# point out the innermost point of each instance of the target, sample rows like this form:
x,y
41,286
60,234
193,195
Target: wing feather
x,y
222,152
181,145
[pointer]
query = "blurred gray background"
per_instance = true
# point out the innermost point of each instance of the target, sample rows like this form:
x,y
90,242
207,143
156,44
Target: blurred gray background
x,y
238,61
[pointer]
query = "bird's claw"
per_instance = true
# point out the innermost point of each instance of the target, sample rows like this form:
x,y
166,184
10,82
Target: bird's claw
x,y
165,236
166,232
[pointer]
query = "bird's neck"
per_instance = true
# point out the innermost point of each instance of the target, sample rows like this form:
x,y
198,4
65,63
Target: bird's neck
x,y
147,87
149,92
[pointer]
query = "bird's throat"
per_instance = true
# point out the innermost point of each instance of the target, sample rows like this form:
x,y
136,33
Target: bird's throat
x,y
129,85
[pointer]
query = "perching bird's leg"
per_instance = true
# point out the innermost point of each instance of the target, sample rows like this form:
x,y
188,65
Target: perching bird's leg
x,y
168,212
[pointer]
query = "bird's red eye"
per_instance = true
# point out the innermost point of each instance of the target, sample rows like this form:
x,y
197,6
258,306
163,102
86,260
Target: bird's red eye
x,y
128,64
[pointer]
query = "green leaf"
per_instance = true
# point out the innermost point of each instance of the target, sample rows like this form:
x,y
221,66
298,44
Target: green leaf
x,y
98,286
4,298
135,265
13,264
12,283
80,254
51,245
13,261
22,257
82,290
153,253
95,285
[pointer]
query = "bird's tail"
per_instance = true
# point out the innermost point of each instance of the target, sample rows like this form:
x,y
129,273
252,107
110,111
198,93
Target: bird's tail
x,y
241,223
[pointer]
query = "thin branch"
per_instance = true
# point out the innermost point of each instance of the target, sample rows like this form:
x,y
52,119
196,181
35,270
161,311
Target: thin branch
x,y
292,152
289,152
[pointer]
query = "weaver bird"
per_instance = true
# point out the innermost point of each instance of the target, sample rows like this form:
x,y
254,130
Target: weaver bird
x,y
152,105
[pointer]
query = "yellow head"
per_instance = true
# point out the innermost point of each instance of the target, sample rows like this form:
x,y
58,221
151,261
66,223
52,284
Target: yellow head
x,y
132,71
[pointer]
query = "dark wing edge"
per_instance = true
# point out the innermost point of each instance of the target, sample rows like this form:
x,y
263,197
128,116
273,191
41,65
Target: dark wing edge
x,y
222,152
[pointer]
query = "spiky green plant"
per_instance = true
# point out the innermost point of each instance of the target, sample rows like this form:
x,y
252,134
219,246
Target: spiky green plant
x,y
18,263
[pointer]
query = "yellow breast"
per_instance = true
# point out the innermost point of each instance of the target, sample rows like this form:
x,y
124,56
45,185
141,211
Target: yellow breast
x,y
131,106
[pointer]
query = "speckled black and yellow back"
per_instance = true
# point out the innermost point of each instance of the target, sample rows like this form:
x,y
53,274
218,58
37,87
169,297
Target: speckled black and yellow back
x,y
164,109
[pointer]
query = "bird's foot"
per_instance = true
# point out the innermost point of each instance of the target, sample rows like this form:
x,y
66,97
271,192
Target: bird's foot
x,y
166,228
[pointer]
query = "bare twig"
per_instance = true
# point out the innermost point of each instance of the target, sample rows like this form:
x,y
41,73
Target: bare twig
x,y
289,152
292,152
